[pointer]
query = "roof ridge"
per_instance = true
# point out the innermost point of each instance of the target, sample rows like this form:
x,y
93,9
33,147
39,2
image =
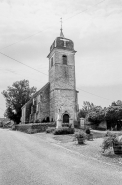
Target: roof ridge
x,y
37,93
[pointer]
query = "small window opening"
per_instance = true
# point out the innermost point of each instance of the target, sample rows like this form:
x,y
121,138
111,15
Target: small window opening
x,y
51,61
64,59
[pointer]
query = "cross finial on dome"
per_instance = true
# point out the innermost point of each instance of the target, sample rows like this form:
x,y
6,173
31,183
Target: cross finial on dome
x,y
61,33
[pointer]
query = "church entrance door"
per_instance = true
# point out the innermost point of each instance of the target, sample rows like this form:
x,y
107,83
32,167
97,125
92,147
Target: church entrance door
x,y
65,118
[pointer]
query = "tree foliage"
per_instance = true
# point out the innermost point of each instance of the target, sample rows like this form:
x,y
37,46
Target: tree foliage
x,y
92,112
82,113
97,115
114,113
16,96
86,108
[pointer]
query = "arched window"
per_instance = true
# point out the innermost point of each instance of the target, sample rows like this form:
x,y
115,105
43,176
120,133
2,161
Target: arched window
x,y
51,61
64,57
65,118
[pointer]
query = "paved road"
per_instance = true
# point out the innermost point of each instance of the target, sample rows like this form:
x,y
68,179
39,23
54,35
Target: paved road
x,y
29,160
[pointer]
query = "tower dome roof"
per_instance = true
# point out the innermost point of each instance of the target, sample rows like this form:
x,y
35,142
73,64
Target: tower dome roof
x,y
62,43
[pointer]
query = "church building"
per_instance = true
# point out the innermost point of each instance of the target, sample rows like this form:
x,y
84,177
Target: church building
x,y
59,94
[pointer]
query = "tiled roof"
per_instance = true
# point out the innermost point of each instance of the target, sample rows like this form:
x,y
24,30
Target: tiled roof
x,y
42,89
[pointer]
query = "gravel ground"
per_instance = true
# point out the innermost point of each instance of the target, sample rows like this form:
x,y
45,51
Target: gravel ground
x,y
93,149
32,159
90,148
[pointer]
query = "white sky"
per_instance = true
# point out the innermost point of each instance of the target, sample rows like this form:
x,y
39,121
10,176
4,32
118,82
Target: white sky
x,y
96,33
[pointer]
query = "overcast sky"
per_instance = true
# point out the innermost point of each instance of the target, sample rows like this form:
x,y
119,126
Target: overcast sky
x,y
95,28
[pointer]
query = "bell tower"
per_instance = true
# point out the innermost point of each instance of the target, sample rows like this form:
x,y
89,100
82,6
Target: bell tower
x,y
63,94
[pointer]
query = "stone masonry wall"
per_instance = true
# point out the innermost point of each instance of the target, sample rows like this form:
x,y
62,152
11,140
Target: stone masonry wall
x,y
23,114
62,84
44,105
65,77
38,108
62,76
52,106
65,100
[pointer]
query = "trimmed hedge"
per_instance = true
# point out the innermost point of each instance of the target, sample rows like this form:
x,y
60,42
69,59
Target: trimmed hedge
x,y
50,129
64,130
33,128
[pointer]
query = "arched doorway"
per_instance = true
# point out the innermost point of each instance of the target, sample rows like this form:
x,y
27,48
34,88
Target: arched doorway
x,y
65,118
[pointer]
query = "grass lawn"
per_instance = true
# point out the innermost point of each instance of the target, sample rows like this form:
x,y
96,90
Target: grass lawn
x,y
91,148
96,134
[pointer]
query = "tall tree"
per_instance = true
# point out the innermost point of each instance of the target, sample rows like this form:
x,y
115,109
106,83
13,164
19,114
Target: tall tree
x,y
86,109
87,106
92,112
114,115
16,96
97,115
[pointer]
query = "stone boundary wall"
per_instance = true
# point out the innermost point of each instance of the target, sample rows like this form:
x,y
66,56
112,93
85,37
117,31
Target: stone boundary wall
x,y
33,127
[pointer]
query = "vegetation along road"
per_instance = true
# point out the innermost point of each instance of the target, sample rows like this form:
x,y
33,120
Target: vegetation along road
x,y
30,160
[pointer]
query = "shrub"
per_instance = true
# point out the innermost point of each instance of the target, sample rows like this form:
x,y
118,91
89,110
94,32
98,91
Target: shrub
x,y
109,141
13,127
87,131
33,128
37,121
80,134
117,146
114,142
64,130
99,128
50,129
81,137
29,131
110,134
65,124
1,124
